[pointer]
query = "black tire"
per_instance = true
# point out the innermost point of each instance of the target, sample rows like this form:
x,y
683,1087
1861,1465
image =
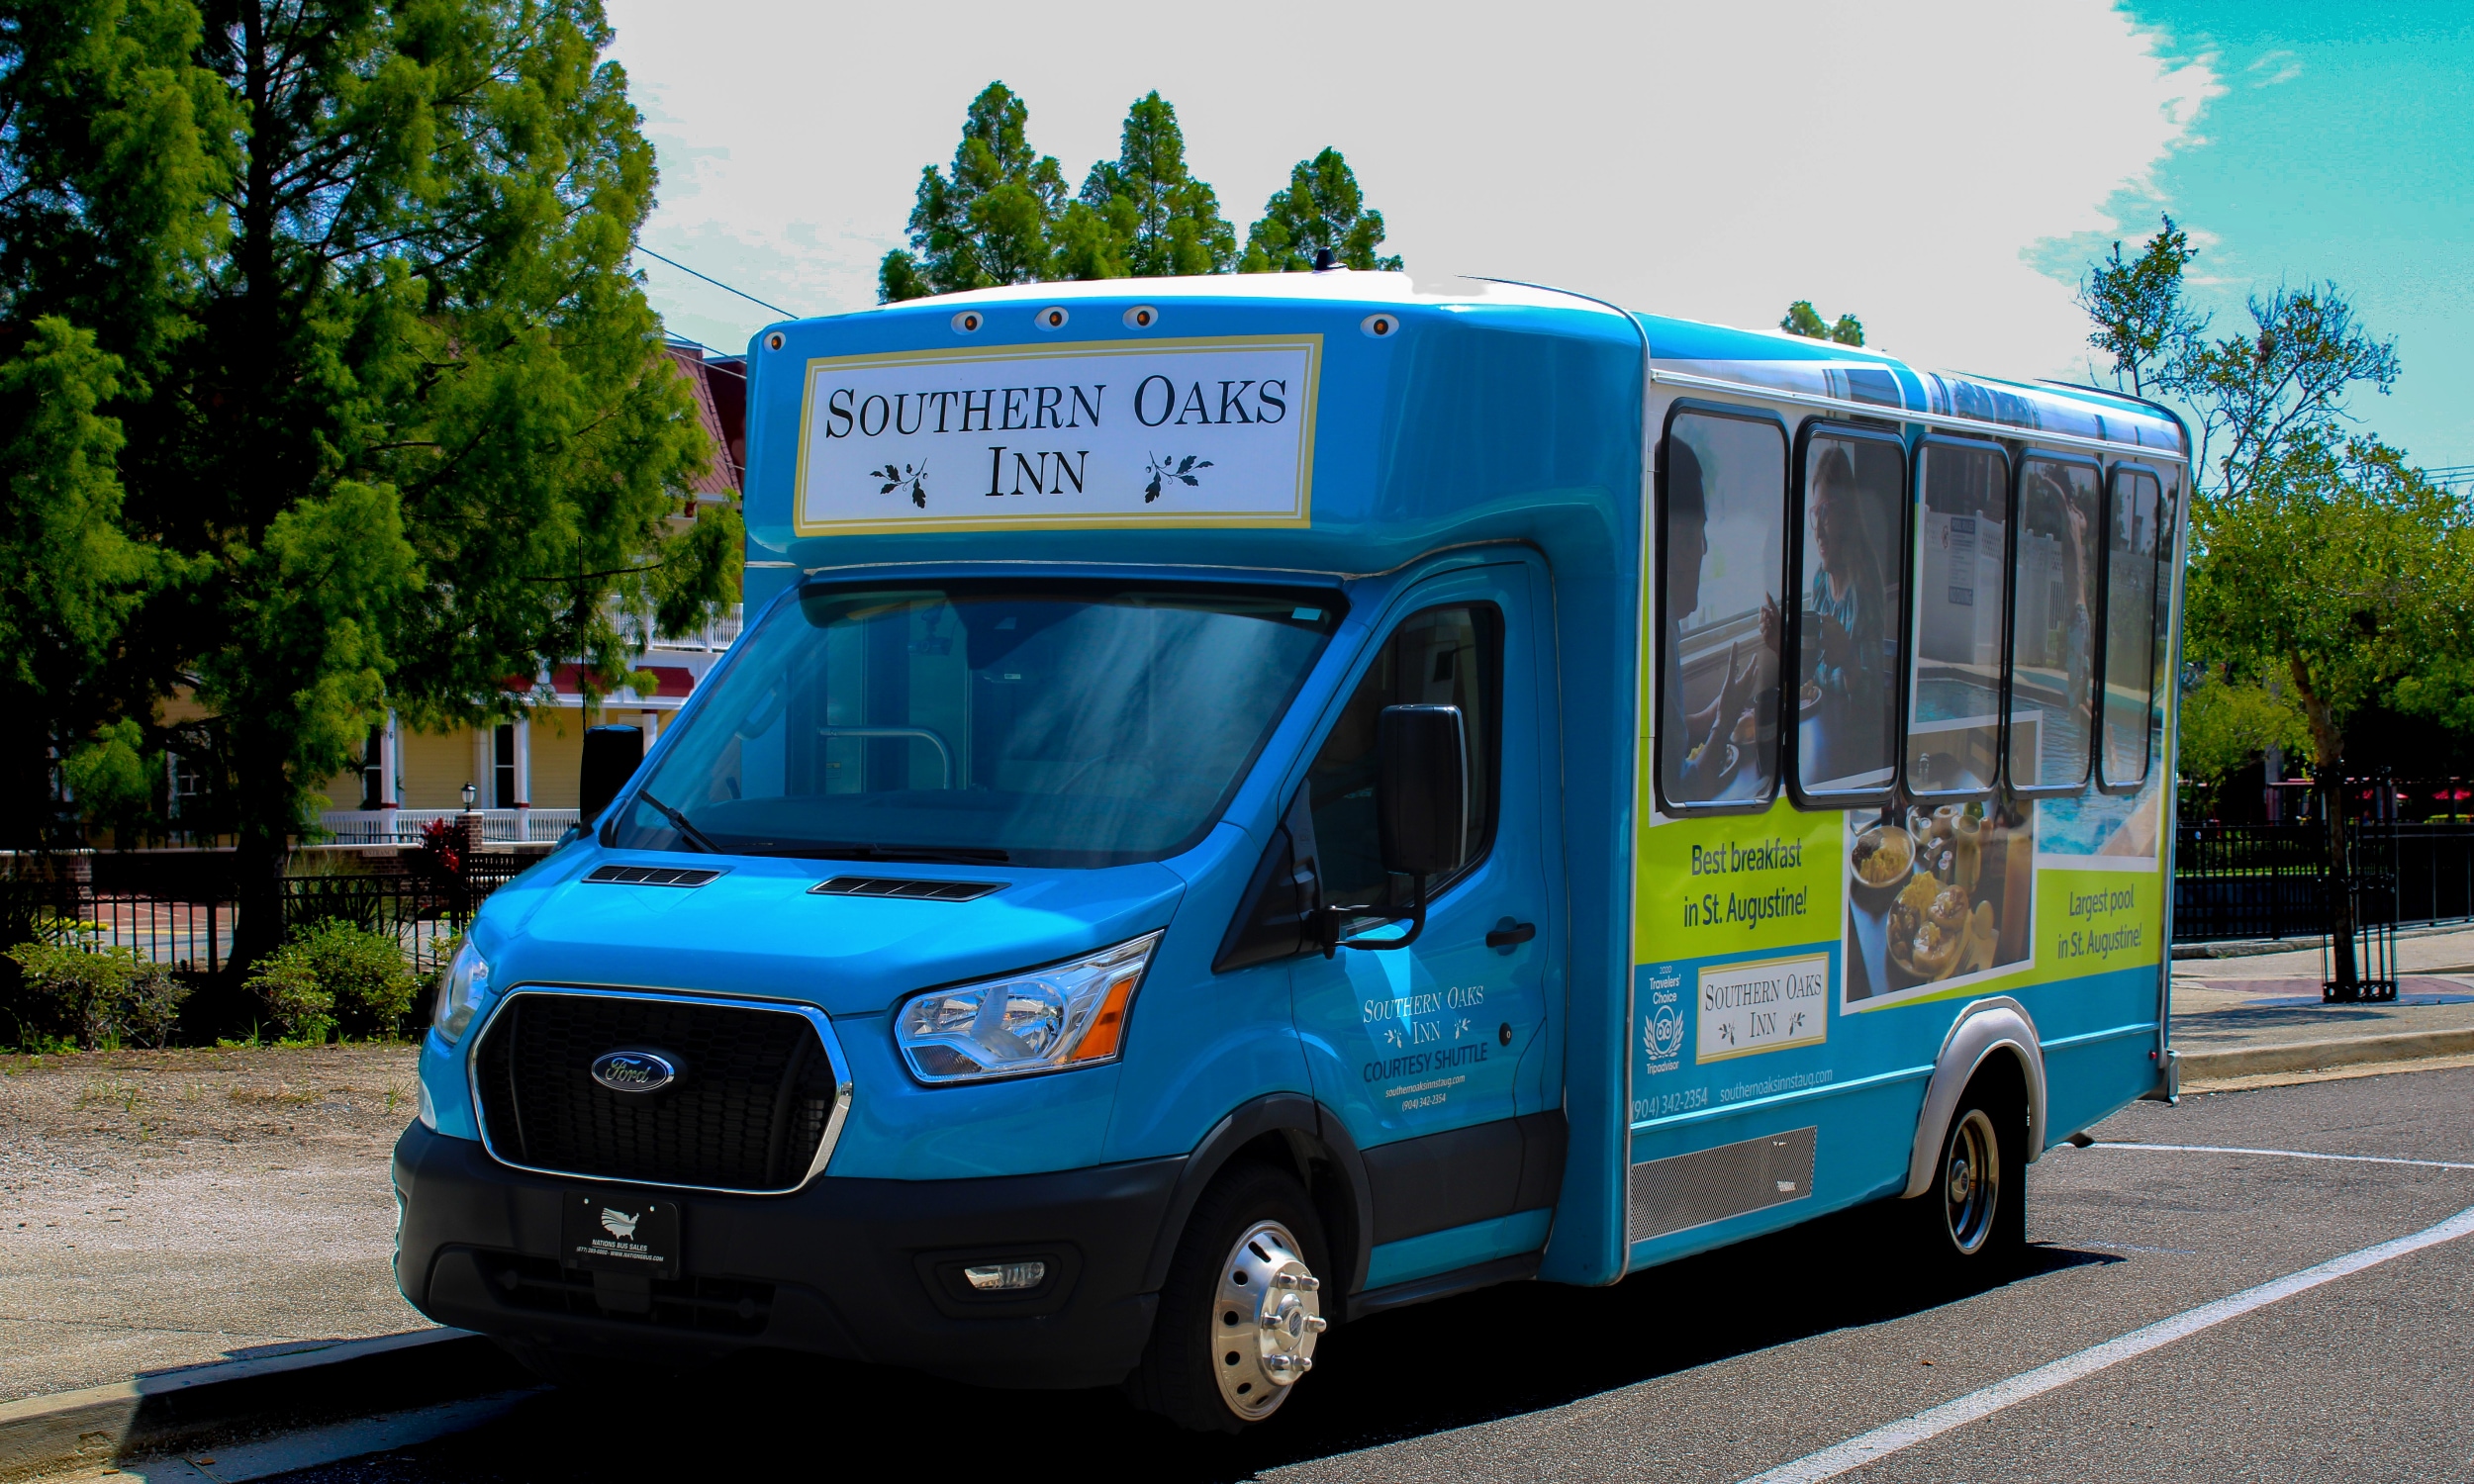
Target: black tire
x,y
1214,1364
1971,1229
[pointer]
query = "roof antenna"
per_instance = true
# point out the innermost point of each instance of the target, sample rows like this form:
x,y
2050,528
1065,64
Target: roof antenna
x,y
1325,260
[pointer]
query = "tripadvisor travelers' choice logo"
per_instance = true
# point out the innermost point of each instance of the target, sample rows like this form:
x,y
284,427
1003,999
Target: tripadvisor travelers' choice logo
x,y
619,1224
1662,1018
633,1070
1110,434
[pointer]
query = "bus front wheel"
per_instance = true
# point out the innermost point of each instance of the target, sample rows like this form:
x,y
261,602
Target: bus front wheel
x,y
1242,1305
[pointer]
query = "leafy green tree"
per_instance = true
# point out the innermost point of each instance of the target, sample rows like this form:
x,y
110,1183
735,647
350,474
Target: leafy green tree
x,y
2142,323
2278,393
1167,222
2225,722
1803,320
394,420
112,140
2345,569
987,220
424,437
1321,209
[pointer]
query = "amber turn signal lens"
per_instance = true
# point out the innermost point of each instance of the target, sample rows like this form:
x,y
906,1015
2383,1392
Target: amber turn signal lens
x,y
1108,1027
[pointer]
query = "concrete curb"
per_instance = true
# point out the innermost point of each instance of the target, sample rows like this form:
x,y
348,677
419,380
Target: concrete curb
x,y
2317,1055
44,1435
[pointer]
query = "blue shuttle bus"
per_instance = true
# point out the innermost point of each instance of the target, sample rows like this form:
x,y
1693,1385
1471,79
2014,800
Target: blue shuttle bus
x,y
1250,802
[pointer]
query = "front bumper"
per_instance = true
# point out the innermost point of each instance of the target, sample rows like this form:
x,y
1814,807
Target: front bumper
x,y
861,1269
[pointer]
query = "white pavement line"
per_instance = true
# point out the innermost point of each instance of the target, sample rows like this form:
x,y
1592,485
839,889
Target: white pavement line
x,y
1932,1422
2283,1154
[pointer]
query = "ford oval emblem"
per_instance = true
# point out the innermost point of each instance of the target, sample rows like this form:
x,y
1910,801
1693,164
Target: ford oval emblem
x,y
633,1070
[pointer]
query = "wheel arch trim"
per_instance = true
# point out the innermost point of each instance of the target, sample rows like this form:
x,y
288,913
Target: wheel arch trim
x,y
1302,1118
1990,1027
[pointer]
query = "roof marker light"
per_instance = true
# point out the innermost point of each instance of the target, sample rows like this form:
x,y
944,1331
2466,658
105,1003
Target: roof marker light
x,y
1051,317
1141,317
773,342
1380,326
969,321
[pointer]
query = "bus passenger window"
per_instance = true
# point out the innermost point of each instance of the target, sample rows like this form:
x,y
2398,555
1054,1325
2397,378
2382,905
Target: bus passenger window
x,y
1954,679
2052,626
1723,502
2136,544
1849,585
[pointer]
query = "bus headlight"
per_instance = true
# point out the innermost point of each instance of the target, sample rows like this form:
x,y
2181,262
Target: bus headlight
x,y
1069,1014
467,982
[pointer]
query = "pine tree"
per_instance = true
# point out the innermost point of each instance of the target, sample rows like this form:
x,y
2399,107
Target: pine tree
x,y
1165,222
989,221
1320,209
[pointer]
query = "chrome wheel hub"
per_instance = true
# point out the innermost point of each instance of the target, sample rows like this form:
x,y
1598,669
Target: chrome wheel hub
x,y
1266,1319
1971,1181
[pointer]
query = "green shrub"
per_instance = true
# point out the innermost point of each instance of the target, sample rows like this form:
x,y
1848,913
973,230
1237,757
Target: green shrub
x,y
99,995
335,978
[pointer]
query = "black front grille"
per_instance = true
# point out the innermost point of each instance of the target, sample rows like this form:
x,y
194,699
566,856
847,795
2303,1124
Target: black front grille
x,y
716,1304
748,1107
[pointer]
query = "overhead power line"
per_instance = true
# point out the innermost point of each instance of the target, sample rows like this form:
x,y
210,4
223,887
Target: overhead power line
x,y
715,282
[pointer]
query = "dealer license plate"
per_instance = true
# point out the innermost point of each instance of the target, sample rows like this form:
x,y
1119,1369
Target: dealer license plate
x,y
617,1233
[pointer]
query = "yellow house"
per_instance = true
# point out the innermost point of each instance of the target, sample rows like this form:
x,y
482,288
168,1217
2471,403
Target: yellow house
x,y
524,774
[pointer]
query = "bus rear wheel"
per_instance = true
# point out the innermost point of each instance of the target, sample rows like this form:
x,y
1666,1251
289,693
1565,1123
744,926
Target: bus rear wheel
x,y
1973,1216
1242,1310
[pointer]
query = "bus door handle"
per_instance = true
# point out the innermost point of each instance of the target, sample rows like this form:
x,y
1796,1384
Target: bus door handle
x,y
1509,933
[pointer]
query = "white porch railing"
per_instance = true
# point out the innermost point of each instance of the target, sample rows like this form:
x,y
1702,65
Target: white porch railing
x,y
404,826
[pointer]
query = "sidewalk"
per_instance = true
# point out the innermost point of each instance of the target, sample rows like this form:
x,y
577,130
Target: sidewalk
x,y
2273,1000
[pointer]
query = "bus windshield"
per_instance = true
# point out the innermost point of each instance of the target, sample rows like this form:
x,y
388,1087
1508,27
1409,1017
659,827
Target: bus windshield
x,y
1057,723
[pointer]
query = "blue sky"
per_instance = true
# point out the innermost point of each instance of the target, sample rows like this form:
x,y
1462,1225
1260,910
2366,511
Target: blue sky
x,y
2342,147
1944,170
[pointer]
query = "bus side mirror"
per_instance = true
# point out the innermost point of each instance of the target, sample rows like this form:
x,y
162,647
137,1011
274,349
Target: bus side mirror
x,y
1421,789
612,754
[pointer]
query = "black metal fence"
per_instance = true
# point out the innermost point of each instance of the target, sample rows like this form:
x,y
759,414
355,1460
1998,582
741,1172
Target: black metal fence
x,y
2271,880
189,927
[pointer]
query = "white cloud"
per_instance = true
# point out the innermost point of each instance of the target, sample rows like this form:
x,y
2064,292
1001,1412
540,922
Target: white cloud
x,y
2273,68
1712,162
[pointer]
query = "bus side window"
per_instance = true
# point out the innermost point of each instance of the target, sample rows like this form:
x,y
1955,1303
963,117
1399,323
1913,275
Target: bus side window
x,y
1850,581
2055,604
1722,539
2136,545
1963,566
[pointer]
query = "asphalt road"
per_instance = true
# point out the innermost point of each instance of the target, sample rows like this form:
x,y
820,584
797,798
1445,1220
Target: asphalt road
x,y
1736,1362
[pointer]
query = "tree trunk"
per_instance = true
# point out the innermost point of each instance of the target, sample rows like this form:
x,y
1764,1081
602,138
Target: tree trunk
x,y
262,845
2328,750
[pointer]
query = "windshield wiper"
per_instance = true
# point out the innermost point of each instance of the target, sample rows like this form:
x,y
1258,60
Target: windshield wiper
x,y
959,855
686,831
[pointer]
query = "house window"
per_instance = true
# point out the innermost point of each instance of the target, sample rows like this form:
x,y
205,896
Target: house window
x,y
502,766
374,768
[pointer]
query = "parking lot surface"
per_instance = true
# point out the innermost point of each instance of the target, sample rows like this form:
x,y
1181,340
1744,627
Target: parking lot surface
x,y
1748,1360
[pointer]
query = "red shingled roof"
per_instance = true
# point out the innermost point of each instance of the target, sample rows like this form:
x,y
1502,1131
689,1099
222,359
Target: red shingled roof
x,y
721,411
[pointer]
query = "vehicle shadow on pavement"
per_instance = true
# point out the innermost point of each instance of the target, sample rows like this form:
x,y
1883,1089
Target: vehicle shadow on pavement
x,y
1495,1353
